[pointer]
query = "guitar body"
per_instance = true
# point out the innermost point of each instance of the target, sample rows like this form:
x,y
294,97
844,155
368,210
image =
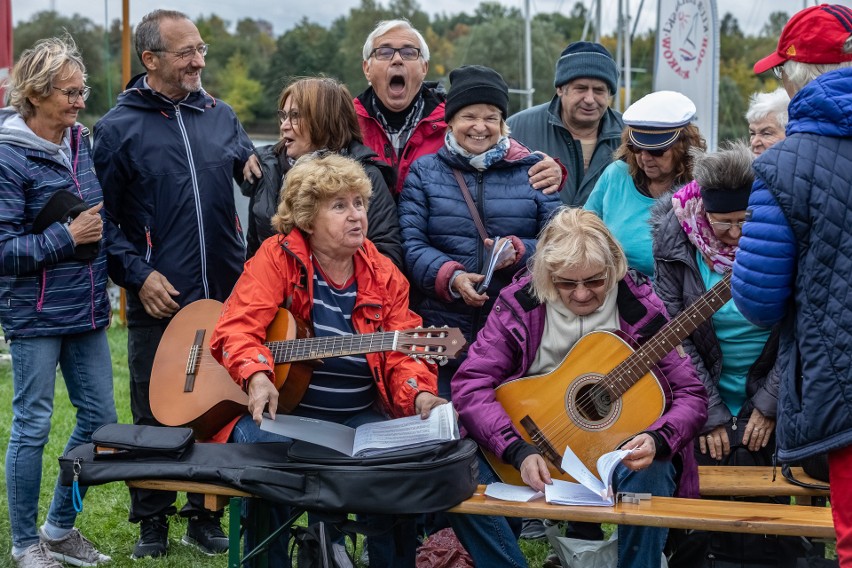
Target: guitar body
x,y
571,405
190,388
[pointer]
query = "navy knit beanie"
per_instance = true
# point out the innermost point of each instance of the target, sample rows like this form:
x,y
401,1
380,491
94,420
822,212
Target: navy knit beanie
x,y
586,59
476,84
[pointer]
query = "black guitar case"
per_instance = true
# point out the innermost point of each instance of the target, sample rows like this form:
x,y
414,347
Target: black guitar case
x,y
415,480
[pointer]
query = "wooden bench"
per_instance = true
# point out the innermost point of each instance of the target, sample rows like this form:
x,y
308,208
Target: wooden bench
x,y
672,512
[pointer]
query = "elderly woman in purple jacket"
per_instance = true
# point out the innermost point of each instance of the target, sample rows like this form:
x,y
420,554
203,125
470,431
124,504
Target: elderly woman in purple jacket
x,y
578,283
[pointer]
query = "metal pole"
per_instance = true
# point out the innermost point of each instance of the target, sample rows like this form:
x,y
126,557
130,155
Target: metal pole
x,y
125,43
598,20
619,35
528,54
628,54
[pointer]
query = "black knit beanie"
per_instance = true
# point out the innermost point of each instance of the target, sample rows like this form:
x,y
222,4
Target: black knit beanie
x,y
476,84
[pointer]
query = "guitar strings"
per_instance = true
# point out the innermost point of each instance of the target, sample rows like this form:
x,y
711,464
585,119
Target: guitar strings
x,y
639,362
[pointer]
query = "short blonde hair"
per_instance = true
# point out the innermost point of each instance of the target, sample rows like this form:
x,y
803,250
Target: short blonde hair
x,y
37,68
574,239
313,179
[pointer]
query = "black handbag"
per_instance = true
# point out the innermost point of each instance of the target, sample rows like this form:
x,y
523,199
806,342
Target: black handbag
x,y
63,207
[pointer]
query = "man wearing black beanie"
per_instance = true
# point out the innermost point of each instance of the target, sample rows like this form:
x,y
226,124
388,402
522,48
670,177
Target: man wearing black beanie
x,y
576,126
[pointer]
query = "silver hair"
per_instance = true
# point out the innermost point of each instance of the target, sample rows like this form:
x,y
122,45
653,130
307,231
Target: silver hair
x,y
728,168
769,105
37,68
799,74
384,27
148,37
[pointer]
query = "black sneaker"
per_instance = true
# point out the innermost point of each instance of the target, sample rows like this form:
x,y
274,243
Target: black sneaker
x,y
154,538
205,533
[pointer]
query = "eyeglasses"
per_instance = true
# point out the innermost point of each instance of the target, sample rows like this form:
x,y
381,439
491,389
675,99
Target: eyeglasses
x,y
725,226
654,153
571,285
387,53
293,115
74,94
778,70
189,52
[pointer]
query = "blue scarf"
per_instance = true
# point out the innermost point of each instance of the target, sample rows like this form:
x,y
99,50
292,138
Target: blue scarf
x,y
478,161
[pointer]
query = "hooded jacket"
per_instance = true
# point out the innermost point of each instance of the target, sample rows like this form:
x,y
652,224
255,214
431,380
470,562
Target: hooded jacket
x,y
678,283
382,220
167,169
439,236
43,289
794,265
541,128
507,346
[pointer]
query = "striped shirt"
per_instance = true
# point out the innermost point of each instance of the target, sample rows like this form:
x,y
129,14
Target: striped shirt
x,y
341,386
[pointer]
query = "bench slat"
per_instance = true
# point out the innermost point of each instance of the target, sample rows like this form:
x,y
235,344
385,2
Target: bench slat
x,y
738,481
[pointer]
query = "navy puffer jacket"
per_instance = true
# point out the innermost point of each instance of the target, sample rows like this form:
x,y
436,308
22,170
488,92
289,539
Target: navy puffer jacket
x,y
795,265
439,235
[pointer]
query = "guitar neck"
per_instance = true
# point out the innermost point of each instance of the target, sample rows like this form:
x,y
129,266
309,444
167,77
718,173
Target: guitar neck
x,y
292,350
670,336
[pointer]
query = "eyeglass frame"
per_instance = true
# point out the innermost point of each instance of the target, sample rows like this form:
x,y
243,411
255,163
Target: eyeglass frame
x,y
721,225
294,116
395,51
76,93
202,49
571,285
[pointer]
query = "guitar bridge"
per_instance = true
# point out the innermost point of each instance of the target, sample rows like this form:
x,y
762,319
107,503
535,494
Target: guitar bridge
x,y
542,443
192,361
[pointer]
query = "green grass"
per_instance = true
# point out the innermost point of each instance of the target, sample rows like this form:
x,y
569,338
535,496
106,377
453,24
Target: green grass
x,y
105,509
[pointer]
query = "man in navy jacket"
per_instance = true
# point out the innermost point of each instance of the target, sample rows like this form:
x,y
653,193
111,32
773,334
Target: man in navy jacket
x,y
166,156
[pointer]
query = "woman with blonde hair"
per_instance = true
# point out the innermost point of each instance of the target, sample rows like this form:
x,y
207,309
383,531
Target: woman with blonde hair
x,y
579,282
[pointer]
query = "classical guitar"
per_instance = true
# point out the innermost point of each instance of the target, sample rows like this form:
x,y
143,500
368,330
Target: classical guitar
x,y
603,393
190,388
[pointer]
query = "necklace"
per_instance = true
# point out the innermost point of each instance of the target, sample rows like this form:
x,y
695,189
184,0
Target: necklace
x,y
336,283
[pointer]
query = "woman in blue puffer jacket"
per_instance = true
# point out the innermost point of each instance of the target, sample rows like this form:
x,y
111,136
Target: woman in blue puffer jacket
x,y
444,250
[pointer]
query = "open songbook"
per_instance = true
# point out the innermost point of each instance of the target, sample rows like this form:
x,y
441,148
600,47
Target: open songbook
x,y
590,490
369,439
501,250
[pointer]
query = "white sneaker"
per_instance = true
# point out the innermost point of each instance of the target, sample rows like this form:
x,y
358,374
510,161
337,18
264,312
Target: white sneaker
x,y
74,549
36,556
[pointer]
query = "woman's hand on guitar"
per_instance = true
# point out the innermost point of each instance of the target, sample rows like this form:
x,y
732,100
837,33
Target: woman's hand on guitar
x,y
716,442
643,451
425,402
262,393
534,472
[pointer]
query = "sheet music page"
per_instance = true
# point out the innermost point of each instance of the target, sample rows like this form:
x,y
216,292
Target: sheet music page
x,y
380,437
321,432
576,469
500,251
606,465
516,493
568,493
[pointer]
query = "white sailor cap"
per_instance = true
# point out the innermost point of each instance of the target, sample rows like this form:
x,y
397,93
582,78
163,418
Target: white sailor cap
x,y
655,121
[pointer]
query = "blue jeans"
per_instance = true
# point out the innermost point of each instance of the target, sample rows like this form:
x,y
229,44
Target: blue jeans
x,y
87,369
492,541
395,548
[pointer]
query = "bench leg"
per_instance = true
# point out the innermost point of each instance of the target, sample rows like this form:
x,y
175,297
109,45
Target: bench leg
x,y
234,532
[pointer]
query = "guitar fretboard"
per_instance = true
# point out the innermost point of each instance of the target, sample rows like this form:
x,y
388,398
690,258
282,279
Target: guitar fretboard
x,y
318,347
670,336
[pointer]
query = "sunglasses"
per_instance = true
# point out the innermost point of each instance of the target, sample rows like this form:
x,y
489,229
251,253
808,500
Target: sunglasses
x,y
654,153
571,285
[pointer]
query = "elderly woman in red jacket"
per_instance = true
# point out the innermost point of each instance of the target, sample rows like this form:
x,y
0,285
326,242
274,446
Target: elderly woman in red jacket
x,y
323,269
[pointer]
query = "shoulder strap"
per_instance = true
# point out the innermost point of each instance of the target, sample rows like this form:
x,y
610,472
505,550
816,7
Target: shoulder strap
x,y
470,205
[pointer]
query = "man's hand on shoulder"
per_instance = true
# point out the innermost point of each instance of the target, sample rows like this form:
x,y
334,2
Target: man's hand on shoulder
x,y
156,295
546,175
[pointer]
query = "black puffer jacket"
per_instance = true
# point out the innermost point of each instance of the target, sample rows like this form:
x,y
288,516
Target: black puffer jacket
x,y
382,220
678,283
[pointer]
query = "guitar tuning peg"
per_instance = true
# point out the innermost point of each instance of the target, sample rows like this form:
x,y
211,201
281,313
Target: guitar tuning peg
x,y
442,361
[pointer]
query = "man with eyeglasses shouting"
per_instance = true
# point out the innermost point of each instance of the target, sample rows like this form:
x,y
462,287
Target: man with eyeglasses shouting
x,y
402,115
166,155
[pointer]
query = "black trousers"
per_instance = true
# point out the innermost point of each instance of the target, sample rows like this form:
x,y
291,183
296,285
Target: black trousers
x,y
142,345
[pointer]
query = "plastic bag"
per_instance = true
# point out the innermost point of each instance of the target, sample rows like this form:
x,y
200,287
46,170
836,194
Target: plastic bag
x,y
578,553
443,550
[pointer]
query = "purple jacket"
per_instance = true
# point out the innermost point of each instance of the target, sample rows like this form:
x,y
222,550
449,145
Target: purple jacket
x,y
507,345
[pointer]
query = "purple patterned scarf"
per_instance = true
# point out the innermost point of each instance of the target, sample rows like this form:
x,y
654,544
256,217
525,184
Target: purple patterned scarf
x,y
689,210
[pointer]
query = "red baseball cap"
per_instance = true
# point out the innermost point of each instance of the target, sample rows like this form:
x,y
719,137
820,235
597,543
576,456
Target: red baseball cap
x,y
814,35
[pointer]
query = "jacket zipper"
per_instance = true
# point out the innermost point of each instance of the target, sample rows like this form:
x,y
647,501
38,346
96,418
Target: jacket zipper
x,y
149,244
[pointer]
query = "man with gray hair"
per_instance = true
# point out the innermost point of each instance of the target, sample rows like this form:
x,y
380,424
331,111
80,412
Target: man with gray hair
x,y
577,126
167,155
767,119
401,115
794,264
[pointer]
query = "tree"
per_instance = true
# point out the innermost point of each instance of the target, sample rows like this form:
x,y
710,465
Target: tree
x,y
240,91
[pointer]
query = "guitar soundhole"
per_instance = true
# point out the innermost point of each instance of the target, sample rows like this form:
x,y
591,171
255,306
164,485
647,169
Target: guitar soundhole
x,y
590,404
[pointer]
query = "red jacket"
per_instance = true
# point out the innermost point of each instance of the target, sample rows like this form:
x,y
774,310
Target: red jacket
x,y
281,274
427,138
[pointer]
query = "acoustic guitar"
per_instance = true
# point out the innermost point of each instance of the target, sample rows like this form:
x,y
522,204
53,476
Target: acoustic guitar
x,y
190,388
602,394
